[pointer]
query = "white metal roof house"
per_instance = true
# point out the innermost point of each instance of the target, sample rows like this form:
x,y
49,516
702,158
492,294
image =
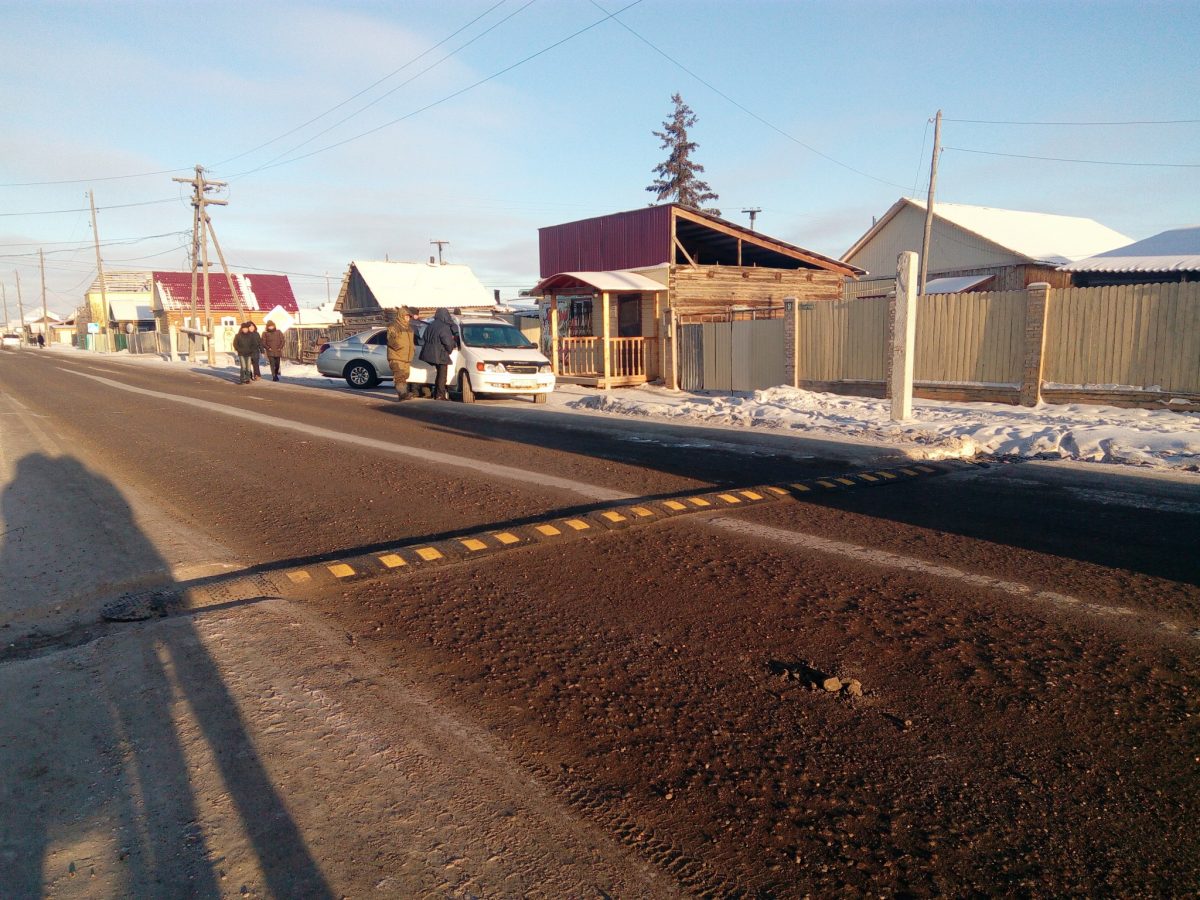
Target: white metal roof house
x,y
1167,257
977,247
371,286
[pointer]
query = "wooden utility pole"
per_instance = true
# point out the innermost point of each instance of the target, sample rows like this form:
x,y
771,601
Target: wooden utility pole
x,y
20,309
4,296
42,263
100,273
201,229
440,244
937,146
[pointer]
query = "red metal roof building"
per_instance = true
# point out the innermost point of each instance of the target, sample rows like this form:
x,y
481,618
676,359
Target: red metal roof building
x,y
256,292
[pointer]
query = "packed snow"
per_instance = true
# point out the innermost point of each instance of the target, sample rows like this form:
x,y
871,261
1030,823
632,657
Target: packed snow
x,y
1159,438
1165,439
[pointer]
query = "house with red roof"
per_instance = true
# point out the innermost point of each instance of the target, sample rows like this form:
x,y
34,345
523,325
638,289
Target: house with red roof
x,y
253,296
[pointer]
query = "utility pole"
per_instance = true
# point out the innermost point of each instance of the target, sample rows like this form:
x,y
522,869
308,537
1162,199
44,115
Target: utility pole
x,y
20,309
753,211
937,146
201,230
100,272
42,264
4,296
440,244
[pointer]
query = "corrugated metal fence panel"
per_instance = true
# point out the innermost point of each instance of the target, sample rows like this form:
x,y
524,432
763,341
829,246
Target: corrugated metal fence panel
x,y
842,340
758,355
691,357
1137,335
718,356
971,338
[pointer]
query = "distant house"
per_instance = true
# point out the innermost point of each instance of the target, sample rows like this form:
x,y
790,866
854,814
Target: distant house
x,y
1169,257
129,297
614,287
976,248
254,297
370,287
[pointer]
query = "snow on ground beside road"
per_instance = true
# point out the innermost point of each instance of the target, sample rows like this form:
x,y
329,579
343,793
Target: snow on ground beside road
x,y
1161,439
1158,438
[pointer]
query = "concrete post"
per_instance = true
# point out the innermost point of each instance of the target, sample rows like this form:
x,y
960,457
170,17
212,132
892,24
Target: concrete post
x,y
791,341
554,336
607,336
904,334
172,343
1037,304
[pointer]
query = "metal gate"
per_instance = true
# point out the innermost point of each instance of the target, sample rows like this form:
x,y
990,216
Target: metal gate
x,y
740,355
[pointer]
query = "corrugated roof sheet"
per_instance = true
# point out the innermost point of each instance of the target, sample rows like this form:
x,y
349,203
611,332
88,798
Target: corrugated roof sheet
x,y
605,281
131,310
258,292
1176,250
954,284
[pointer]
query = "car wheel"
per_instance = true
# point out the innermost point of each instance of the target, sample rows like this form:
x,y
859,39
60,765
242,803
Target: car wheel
x,y
359,375
541,397
465,392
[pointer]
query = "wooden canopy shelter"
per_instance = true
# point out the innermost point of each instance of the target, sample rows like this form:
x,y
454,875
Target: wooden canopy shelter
x,y
614,288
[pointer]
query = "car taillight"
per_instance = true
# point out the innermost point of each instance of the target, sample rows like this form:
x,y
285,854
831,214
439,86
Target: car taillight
x,y
323,348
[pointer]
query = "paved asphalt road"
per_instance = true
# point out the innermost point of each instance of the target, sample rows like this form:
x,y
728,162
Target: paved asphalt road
x,y
627,699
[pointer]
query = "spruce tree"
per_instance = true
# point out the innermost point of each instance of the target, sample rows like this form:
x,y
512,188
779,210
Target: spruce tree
x,y
678,179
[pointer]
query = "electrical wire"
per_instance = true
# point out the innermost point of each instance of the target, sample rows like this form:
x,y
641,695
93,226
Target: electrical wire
x,y
90,180
368,87
404,83
117,242
748,112
1072,124
1090,162
921,156
52,212
444,99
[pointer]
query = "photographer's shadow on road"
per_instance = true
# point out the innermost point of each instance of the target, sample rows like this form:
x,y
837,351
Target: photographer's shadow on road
x,y
117,754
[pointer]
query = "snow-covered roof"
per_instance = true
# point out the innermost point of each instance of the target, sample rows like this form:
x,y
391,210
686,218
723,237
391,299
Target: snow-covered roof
x,y
618,280
955,284
422,285
131,310
1039,237
1176,250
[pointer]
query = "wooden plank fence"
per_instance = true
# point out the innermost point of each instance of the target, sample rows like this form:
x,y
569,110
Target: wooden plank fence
x,y
1129,343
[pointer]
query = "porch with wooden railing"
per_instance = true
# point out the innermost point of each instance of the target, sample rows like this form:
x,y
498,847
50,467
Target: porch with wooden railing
x,y
580,360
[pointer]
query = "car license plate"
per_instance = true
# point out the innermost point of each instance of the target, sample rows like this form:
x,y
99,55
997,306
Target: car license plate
x,y
526,385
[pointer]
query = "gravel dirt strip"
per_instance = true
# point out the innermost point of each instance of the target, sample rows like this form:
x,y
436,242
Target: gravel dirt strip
x,y
290,579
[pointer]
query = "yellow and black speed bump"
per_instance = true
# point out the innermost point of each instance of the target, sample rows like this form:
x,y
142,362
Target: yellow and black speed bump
x,y
279,580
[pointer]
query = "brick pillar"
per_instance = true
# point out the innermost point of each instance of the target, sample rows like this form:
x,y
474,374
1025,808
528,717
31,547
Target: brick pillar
x,y
1037,302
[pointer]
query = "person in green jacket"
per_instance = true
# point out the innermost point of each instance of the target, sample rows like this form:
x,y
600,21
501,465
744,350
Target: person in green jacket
x,y
400,350
246,344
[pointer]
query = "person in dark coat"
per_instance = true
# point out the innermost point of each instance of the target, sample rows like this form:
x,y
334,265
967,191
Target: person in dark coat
x,y
245,345
272,344
41,339
439,341
254,360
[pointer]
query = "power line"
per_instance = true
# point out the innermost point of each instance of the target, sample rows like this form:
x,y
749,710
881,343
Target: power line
x,y
1071,124
90,180
444,99
51,212
120,242
1090,162
404,83
748,112
368,87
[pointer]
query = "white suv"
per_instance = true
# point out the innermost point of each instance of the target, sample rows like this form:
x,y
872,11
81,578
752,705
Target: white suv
x,y
494,357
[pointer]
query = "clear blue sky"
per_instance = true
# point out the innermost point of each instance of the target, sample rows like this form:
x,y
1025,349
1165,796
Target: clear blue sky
x,y
816,112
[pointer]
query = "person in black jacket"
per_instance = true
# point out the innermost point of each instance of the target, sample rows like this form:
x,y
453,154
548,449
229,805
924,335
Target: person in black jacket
x,y
439,341
245,345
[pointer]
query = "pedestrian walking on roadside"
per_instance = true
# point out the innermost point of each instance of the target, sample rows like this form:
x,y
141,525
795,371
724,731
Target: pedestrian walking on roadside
x,y
41,339
439,341
257,353
245,345
272,344
400,344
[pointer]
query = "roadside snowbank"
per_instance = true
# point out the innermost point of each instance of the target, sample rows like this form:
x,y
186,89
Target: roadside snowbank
x,y
1158,438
